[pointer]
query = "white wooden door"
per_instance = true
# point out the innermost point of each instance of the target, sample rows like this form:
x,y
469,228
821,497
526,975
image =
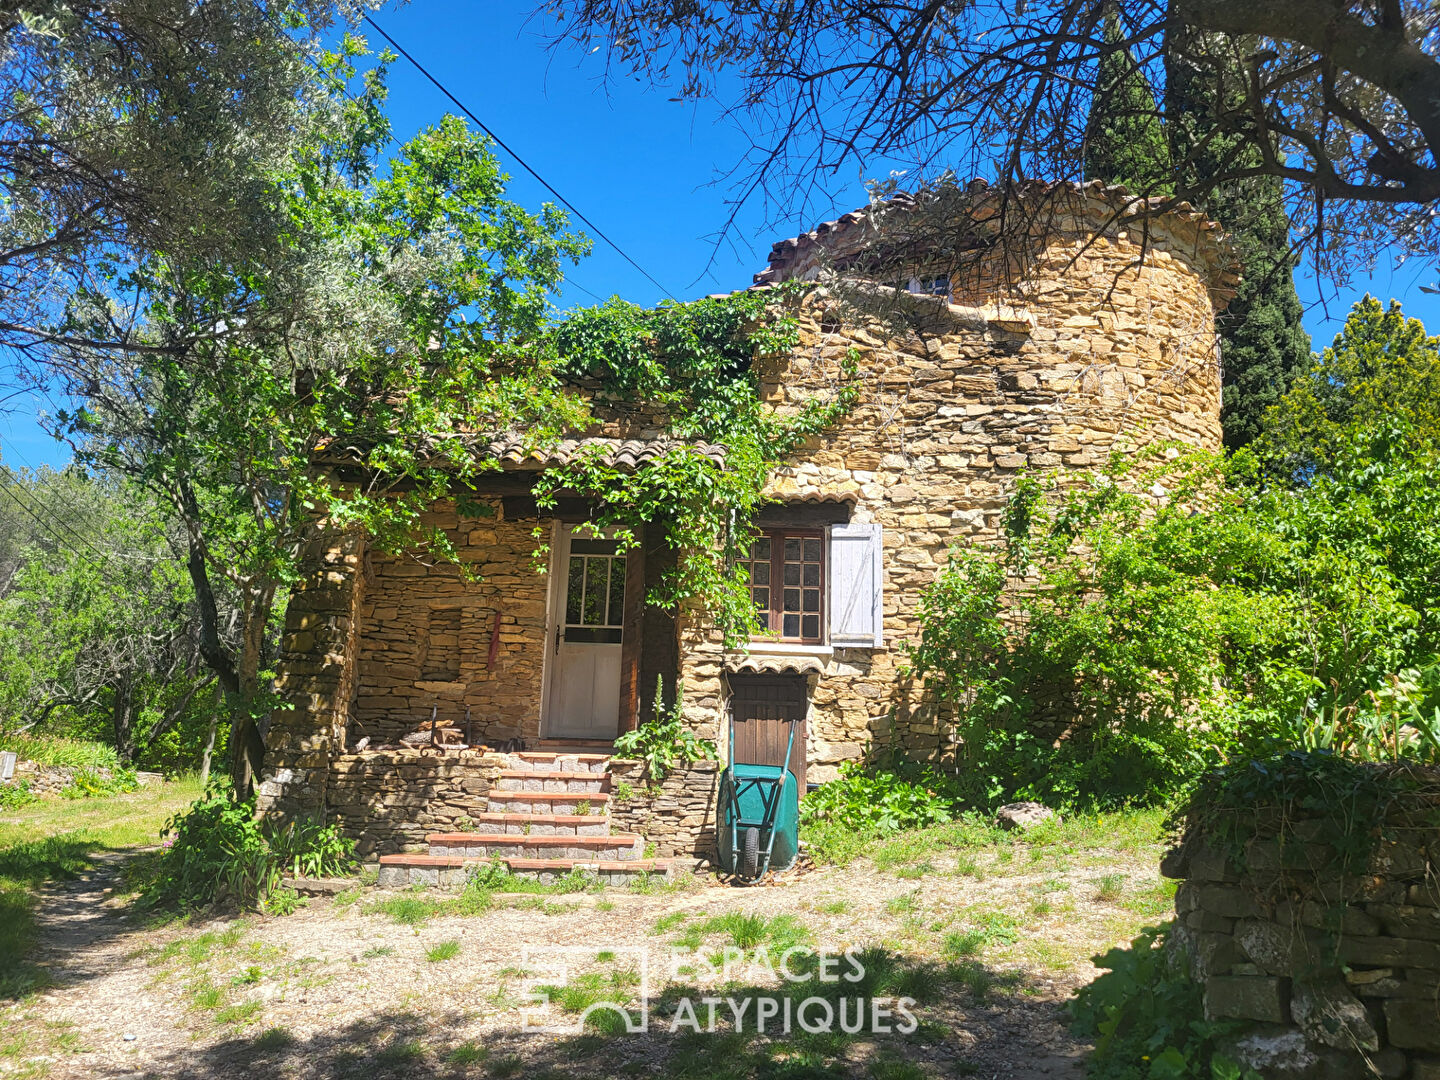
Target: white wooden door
x,y
584,699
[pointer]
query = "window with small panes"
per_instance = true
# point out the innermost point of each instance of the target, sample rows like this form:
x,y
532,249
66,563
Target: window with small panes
x,y
787,584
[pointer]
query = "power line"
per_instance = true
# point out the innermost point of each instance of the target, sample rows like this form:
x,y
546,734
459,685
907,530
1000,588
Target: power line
x,y
519,160
339,84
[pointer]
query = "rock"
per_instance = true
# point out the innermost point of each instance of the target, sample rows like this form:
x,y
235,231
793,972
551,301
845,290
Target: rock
x,y
1247,997
1330,1014
1280,1053
1413,1023
1022,815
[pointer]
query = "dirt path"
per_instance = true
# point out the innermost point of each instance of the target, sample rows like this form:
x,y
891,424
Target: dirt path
x,y
990,952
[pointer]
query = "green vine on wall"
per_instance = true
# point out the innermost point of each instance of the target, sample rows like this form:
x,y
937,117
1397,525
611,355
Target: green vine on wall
x,y
694,364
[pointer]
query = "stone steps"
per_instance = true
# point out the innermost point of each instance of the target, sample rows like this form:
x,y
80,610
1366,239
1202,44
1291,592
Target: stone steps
x,y
547,816
539,824
559,761
545,802
616,847
552,780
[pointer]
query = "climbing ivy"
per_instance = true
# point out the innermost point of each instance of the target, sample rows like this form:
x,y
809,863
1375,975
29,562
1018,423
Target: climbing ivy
x,y
693,364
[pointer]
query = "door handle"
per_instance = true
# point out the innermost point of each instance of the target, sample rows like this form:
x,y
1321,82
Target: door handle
x,y
557,639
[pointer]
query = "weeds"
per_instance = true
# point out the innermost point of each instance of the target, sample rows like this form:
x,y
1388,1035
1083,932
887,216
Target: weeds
x,y
446,950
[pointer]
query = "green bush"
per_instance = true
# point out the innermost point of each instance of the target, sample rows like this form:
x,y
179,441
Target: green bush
x,y
220,851
881,801
665,741
1144,1014
71,753
15,795
94,784
1183,609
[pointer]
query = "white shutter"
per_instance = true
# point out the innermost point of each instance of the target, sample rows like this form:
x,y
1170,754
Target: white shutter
x,y
855,583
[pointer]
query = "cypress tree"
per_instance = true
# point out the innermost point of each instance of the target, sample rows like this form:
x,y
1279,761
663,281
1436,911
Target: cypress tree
x,y
1124,140
1263,342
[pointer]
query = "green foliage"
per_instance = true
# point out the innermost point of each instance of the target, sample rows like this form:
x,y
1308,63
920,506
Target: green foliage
x,y
1146,1016
72,753
880,802
666,740
1380,366
1301,798
1124,140
1179,609
220,851
693,363
1263,342
16,794
94,784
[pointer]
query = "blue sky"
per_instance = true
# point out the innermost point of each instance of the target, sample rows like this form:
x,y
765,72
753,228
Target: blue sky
x,y
641,167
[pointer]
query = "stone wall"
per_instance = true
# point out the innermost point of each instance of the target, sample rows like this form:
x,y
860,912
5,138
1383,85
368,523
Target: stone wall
x,y
428,633
679,818
388,800
1095,354
1331,976
317,677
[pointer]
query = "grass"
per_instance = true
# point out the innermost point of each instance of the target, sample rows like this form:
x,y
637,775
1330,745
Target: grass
x,y
468,1053
1110,888
747,931
1118,831
53,840
72,753
446,950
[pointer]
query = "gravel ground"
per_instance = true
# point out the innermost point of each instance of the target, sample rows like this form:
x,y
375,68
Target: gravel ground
x,y
996,940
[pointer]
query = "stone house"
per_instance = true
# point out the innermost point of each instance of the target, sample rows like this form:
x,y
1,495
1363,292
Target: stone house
x,y
965,379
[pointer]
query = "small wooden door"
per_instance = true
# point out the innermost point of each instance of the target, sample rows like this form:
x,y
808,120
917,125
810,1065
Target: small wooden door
x,y
586,638
761,704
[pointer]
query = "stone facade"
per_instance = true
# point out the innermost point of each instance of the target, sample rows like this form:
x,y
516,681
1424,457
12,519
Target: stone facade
x,y
430,635
1098,352
1330,976
678,818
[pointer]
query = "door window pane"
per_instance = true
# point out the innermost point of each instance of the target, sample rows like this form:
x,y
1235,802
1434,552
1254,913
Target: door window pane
x,y
617,591
574,588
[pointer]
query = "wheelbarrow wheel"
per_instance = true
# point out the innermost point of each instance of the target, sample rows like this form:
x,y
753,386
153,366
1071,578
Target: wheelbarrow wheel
x,y
750,856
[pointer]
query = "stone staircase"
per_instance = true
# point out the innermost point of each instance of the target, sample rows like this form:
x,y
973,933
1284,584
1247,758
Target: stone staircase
x,y
546,816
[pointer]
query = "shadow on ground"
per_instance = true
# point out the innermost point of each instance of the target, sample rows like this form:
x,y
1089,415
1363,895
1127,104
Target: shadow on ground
x,y
1001,1031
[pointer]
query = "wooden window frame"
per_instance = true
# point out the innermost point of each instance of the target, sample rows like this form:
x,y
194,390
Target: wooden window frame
x,y
774,625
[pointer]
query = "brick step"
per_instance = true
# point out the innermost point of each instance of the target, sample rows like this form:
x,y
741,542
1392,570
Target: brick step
x,y
621,846
544,824
587,746
449,871
559,761
552,780
545,802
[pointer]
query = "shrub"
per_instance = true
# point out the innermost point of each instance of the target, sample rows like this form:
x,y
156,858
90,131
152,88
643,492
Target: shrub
x,y
220,851
71,753
1144,1014
878,802
94,784
665,741
13,796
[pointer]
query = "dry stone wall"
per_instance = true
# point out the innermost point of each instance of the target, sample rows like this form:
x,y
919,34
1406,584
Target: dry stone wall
x,y
428,634
678,817
1330,975
1095,353
388,800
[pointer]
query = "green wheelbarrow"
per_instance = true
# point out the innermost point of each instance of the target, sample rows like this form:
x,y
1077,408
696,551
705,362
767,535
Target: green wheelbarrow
x,y
759,814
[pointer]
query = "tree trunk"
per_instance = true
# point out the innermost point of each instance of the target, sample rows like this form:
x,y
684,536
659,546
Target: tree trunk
x,y
247,748
122,715
209,750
